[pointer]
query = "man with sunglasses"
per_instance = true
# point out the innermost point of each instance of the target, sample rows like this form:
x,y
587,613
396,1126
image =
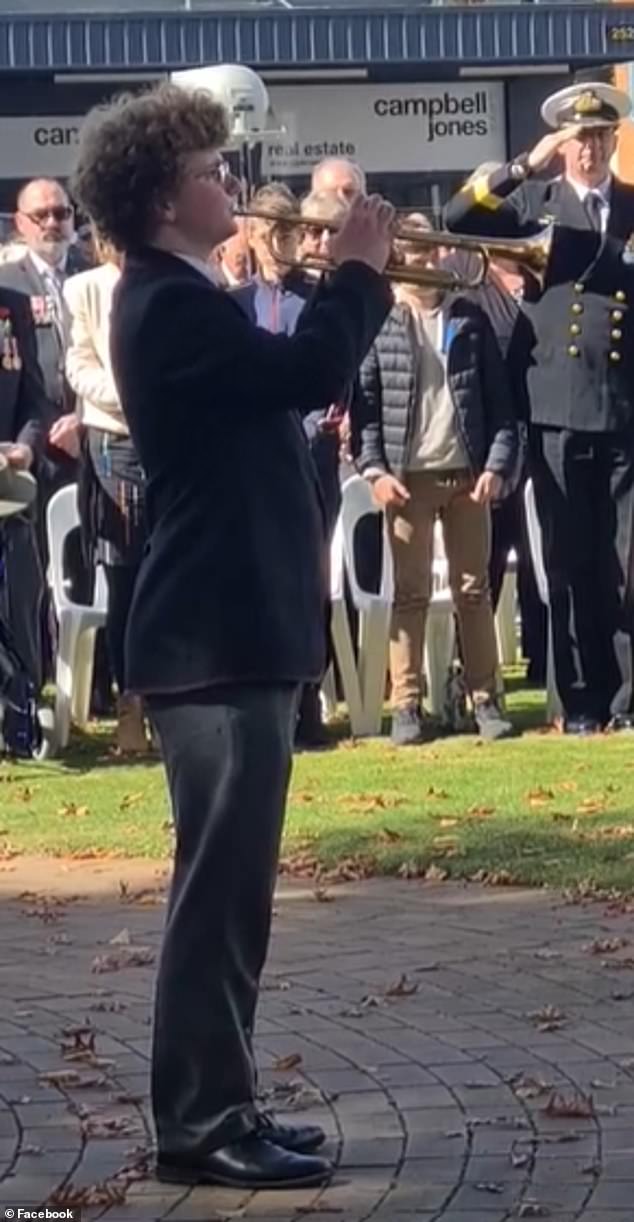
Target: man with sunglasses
x,y
581,388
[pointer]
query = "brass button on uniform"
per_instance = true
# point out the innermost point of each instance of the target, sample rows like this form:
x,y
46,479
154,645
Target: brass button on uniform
x,y
573,350
577,308
575,329
578,288
615,356
616,334
617,316
620,295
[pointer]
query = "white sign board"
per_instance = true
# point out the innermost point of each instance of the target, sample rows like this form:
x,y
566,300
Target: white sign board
x,y
387,128
37,145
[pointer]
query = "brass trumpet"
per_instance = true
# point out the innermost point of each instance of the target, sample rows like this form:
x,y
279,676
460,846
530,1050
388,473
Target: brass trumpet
x,y
531,254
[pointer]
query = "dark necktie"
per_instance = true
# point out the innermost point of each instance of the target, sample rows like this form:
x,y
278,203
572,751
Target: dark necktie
x,y
593,205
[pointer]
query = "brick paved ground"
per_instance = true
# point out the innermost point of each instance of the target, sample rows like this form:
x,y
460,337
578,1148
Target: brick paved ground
x,y
435,1100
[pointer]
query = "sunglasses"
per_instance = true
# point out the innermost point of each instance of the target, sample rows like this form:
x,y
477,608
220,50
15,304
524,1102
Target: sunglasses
x,y
59,213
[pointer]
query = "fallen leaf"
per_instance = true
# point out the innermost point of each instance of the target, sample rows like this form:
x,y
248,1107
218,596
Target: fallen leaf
x,y
546,953
103,1128
592,806
402,988
488,1186
532,1209
130,799
435,792
605,946
480,812
322,895
574,1106
520,1157
524,1086
550,1018
125,956
435,874
106,1193
70,808
285,1064
410,869
32,1151
539,796
388,836
121,939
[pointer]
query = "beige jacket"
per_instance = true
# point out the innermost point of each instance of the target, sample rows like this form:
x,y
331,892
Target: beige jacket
x,y
88,369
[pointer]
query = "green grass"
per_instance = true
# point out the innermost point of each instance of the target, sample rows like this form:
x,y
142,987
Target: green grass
x,y
537,809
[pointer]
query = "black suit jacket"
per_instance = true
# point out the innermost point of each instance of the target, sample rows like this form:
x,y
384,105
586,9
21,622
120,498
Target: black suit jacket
x,y
232,588
24,407
581,358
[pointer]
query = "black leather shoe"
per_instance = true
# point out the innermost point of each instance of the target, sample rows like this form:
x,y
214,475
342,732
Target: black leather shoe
x,y
302,1139
251,1163
582,726
622,723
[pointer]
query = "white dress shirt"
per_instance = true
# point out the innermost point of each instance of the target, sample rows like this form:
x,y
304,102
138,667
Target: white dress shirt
x,y
603,191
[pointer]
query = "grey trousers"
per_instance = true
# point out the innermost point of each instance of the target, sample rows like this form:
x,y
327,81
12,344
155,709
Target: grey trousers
x,y
227,753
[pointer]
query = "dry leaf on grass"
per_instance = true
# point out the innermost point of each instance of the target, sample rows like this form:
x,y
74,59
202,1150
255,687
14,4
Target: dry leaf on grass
x,y
285,1064
71,808
575,1106
435,792
388,836
592,806
403,988
480,812
130,799
410,869
539,796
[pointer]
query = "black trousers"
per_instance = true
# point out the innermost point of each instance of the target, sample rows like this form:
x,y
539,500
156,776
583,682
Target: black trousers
x,y
584,488
22,591
120,579
227,753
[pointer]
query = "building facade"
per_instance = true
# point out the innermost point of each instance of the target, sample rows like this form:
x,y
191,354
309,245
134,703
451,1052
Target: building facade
x,y
418,95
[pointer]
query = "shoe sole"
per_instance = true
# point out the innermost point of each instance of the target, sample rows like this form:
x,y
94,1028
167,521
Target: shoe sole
x,y
193,1178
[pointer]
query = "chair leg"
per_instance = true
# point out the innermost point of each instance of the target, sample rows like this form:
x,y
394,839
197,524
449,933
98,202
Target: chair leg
x,y
342,641
65,668
374,630
328,695
440,635
505,627
82,685
553,703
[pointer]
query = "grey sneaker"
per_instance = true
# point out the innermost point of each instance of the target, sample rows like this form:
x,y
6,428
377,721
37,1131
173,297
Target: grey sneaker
x,y
408,728
491,722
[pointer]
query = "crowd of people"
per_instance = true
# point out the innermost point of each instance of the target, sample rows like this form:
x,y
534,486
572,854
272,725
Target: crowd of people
x,y
215,387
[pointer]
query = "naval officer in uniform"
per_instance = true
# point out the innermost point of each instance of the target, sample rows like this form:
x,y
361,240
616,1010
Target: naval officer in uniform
x,y
581,389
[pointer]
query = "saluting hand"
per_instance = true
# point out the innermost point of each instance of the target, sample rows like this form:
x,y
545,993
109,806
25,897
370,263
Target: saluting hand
x,y
548,147
366,234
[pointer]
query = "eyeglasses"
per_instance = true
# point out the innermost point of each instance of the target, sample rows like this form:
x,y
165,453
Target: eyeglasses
x,y
220,173
59,213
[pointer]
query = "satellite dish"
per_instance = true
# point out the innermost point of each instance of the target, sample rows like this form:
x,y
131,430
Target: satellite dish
x,y
244,95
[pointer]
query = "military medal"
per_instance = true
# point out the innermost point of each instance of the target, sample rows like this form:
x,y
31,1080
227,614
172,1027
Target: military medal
x,y
10,356
628,250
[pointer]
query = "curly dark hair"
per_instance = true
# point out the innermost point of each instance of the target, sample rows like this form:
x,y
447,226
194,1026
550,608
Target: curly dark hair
x,y
131,155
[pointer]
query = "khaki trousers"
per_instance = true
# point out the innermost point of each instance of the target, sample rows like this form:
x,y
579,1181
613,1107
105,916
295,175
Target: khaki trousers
x,y
467,535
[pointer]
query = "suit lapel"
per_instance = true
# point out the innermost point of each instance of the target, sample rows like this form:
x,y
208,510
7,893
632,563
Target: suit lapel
x,y
569,209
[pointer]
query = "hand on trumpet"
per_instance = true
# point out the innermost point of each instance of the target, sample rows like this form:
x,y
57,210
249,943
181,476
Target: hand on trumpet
x,y
488,488
366,234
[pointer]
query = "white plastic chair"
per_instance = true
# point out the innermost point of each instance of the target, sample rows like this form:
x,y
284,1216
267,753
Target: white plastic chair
x,y
363,679
506,615
553,703
77,623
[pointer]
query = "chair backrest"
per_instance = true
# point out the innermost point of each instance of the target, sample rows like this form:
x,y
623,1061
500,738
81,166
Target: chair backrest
x,y
356,503
62,516
535,541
